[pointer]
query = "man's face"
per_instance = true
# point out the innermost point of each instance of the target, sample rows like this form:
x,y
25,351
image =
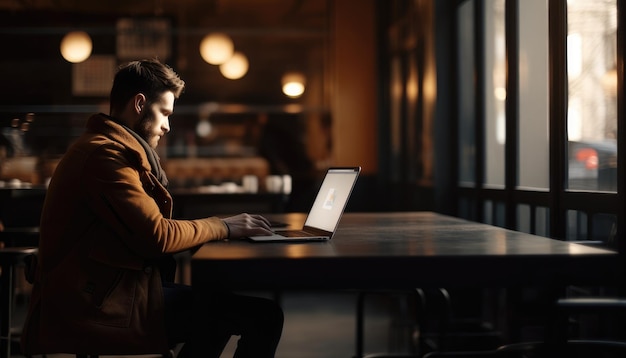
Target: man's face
x,y
154,121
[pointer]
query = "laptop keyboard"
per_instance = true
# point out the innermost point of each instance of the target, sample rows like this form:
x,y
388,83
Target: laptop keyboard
x,y
294,233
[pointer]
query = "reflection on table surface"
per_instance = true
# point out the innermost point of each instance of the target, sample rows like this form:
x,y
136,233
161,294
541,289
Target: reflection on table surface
x,y
404,249
409,234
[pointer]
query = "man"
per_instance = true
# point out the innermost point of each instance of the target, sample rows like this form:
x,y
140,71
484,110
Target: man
x,y
102,282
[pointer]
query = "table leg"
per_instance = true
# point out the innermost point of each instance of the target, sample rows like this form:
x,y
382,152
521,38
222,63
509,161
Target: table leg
x,y
6,301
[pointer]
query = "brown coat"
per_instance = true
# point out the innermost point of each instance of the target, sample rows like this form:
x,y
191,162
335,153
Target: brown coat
x,y
106,225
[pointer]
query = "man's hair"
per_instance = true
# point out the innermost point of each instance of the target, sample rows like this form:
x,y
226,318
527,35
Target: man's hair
x,y
150,77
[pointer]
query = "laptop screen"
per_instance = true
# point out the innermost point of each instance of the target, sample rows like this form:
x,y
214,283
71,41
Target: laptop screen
x,y
332,198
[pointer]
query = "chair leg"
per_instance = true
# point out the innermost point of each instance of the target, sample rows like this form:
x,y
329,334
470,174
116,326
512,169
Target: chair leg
x,y
359,325
418,299
6,302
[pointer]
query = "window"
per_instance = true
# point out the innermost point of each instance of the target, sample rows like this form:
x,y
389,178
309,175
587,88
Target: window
x,y
537,116
495,91
534,159
592,90
466,93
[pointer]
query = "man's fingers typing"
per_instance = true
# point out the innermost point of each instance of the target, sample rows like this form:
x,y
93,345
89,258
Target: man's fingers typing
x,y
247,225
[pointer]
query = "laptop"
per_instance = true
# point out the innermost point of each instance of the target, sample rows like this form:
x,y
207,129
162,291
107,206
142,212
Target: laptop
x,y
323,218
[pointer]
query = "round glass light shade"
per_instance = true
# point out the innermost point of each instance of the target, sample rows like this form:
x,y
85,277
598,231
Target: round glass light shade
x,y
236,67
216,48
293,84
204,128
76,46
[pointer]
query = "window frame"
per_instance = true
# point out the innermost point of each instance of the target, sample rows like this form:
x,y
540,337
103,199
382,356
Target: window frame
x,y
557,199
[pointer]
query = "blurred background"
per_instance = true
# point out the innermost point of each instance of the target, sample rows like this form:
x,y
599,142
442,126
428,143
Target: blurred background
x,y
235,111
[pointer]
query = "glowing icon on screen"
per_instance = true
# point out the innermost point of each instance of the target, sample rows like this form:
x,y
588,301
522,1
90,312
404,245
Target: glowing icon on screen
x,y
330,199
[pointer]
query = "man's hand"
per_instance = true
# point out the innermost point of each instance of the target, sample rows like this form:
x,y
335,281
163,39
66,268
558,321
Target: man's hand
x,y
247,225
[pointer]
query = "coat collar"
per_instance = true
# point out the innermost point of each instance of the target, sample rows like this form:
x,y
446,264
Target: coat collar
x,y
107,126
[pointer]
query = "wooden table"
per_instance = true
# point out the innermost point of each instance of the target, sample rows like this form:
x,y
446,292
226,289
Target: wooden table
x,y
404,250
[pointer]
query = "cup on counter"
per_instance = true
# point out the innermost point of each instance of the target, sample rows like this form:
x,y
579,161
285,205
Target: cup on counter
x,y
250,183
274,183
229,187
286,184
14,184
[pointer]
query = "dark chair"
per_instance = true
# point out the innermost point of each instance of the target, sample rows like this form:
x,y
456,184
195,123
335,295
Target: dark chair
x,y
462,354
10,258
570,349
436,326
592,319
566,323
30,261
171,354
415,296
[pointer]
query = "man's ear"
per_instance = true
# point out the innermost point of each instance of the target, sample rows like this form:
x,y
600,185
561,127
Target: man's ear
x,y
139,102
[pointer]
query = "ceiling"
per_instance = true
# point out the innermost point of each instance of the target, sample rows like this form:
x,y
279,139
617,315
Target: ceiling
x,y
265,8
275,35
